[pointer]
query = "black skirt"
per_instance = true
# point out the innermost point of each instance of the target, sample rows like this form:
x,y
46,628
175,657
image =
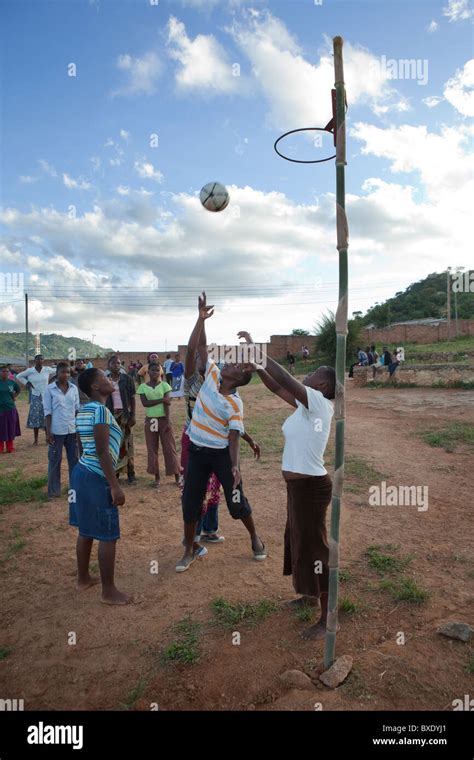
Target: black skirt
x,y
306,546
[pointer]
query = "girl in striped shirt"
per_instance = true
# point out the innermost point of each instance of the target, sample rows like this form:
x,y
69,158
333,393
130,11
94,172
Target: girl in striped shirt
x,y
95,493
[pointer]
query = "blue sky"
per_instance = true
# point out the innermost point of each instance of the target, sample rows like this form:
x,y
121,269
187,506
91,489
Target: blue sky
x,y
90,207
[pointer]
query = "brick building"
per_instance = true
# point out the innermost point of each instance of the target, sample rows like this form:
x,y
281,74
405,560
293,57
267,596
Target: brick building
x,y
417,331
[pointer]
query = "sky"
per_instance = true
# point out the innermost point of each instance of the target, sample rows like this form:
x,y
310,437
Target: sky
x,y
114,114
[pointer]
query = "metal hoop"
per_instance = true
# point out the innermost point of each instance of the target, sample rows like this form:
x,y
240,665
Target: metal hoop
x,y
303,129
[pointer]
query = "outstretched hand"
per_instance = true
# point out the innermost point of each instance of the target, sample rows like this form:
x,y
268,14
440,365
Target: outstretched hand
x,y
245,335
205,311
248,366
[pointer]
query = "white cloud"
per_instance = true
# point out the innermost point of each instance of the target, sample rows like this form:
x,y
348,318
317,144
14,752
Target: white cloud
x,y
142,73
458,10
26,179
207,5
432,27
202,4
48,168
122,190
400,106
432,101
413,148
203,62
124,135
76,184
459,90
286,77
146,170
263,238
119,152
96,163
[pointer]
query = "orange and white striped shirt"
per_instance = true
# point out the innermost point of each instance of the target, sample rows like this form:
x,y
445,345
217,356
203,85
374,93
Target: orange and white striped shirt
x,y
214,414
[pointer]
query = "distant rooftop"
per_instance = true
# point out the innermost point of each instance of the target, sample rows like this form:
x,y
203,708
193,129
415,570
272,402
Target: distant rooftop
x,y
426,321
17,361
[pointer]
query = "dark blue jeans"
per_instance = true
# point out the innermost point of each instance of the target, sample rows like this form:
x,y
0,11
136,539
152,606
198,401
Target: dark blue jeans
x,y
392,367
55,456
209,523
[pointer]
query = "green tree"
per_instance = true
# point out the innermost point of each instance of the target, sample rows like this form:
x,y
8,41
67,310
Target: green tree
x,y
325,330
299,331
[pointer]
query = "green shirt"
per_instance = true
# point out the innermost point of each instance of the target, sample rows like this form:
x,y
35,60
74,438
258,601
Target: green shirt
x,y
7,388
153,394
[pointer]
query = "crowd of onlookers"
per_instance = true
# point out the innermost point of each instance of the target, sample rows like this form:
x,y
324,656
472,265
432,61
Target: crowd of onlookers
x,y
365,358
371,358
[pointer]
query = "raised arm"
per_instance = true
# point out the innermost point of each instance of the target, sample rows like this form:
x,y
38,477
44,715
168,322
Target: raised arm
x,y
197,339
274,387
277,382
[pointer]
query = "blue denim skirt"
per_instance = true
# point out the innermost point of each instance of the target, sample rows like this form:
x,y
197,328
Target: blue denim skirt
x,y
90,506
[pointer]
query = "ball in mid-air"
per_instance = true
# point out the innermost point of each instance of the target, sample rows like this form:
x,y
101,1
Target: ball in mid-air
x,y
214,196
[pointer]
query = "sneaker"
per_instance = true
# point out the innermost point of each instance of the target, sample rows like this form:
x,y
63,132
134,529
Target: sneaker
x,y
184,564
200,552
261,554
213,538
132,481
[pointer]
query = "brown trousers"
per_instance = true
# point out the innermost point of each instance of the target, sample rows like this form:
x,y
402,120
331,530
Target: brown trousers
x,y
155,431
305,534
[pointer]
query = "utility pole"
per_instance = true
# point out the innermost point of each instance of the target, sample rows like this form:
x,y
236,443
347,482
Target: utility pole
x,y
26,332
456,312
448,297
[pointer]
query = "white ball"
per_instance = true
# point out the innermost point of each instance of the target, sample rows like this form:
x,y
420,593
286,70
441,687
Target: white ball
x,y
214,196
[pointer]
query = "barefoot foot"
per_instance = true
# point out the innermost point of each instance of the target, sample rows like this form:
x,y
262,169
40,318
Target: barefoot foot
x,y
116,597
315,632
303,601
91,580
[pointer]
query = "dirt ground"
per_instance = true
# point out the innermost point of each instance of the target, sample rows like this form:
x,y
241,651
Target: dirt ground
x,y
116,662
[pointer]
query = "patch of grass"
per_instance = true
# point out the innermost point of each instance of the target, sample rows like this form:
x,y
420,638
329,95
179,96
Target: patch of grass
x,y
134,695
356,685
470,663
93,567
463,343
460,558
311,665
230,614
16,488
185,647
360,474
4,652
464,385
449,437
389,384
384,563
265,429
347,605
304,613
345,575
15,546
405,590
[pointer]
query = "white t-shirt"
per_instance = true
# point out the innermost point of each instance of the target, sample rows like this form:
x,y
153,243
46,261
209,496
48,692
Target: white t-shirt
x,y
306,434
39,380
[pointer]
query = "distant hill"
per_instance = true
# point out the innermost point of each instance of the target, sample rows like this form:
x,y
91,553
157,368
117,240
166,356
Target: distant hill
x,y
53,346
421,300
